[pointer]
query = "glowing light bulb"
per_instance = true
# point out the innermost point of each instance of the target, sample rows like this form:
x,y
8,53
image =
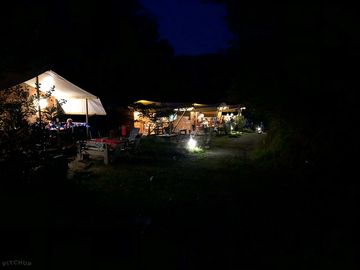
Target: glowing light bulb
x,y
43,103
192,144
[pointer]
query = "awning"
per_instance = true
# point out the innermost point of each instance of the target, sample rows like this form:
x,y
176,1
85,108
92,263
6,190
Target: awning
x,y
75,97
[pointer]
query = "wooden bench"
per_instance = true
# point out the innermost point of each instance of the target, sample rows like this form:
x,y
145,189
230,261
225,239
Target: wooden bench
x,y
94,149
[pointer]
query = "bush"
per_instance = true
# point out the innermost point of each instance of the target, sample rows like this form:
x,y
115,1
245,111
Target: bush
x,y
248,130
240,123
235,134
22,156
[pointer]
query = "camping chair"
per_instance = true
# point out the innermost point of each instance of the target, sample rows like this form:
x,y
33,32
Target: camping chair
x,y
131,145
133,133
133,140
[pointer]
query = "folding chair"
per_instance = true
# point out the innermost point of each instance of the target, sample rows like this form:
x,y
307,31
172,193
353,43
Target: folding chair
x,y
133,133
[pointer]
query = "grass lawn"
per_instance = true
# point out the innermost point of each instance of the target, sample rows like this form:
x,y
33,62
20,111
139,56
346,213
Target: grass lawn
x,y
167,173
168,208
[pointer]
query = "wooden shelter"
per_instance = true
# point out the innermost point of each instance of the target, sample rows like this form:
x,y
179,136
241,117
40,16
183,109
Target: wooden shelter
x,y
158,118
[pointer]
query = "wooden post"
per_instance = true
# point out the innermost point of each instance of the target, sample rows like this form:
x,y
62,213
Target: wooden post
x,y
38,97
179,120
106,154
80,155
87,118
196,120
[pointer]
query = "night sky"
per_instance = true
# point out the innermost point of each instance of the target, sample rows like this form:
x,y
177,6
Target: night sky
x,y
119,47
110,50
191,27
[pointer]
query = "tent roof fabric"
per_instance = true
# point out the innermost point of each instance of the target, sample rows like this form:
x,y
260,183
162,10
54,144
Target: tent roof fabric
x,y
63,88
147,102
74,95
196,107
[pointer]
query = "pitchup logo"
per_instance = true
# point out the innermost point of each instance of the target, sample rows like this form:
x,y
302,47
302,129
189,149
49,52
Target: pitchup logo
x,y
10,263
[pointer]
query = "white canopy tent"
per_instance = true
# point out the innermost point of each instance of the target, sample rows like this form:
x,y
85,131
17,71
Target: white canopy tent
x,y
78,101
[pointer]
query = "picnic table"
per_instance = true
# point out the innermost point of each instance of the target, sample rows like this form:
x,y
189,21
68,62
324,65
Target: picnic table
x,y
111,142
108,148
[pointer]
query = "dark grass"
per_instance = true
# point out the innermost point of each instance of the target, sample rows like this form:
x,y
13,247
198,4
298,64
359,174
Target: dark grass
x,y
166,208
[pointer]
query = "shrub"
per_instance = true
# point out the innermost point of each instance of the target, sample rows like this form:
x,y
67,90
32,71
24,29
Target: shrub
x,y
22,145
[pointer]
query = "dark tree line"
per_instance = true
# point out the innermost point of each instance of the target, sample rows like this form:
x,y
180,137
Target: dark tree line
x,y
111,48
296,67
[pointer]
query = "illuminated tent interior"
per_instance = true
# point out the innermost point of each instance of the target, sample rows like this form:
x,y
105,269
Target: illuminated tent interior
x,y
183,117
78,101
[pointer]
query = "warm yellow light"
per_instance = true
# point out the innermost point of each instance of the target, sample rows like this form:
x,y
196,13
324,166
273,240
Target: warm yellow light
x,y
192,144
137,115
47,83
147,102
184,109
43,103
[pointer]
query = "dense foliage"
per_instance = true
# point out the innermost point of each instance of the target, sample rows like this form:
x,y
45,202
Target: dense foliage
x,y
23,139
293,68
104,48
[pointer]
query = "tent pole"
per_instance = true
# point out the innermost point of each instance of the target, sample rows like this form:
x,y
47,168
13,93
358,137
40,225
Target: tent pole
x,y
87,118
179,120
38,97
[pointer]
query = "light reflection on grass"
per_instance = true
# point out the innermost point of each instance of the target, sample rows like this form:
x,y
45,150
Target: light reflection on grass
x,y
197,149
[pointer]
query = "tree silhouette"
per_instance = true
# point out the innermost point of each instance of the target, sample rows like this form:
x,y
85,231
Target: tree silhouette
x,y
294,68
107,46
